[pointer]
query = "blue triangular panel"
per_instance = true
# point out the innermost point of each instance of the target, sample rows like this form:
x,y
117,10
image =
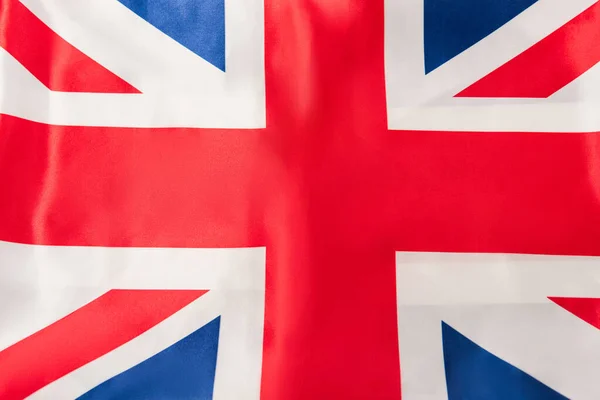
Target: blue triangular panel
x,y
474,373
452,26
185,370
198,25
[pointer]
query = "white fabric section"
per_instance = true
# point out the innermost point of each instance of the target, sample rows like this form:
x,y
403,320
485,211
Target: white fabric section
x,y
41,284
416,101
500,302
479,278
179,88
586,86
421,353
490,117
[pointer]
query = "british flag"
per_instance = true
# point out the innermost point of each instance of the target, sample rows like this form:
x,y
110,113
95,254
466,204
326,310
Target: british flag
x,y
244,199
522,65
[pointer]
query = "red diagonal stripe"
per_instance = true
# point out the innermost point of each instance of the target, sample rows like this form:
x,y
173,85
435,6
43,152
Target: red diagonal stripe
x,y
56,63
547,66
106,323
588,309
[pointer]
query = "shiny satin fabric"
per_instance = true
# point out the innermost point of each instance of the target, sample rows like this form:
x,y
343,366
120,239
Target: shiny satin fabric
x,y
326,187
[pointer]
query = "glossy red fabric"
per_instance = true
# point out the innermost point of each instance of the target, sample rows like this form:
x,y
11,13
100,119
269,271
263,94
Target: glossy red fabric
x,y
326,187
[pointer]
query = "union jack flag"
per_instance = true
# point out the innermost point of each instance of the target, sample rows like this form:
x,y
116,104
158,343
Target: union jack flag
x,y
244,199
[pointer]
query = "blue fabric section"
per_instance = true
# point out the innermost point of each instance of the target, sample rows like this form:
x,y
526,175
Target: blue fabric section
x,y
474,373
185,370
452,26
198,25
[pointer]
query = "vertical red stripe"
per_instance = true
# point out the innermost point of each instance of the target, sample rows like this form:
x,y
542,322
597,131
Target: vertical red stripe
x,y
56,63
547,66
106,323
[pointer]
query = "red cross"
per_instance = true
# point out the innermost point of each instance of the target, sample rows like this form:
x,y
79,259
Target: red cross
x,y
326,187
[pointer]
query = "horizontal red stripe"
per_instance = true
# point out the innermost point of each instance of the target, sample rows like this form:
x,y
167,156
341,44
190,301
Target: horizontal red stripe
x,y
56,63
84,335
198,188
547,66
